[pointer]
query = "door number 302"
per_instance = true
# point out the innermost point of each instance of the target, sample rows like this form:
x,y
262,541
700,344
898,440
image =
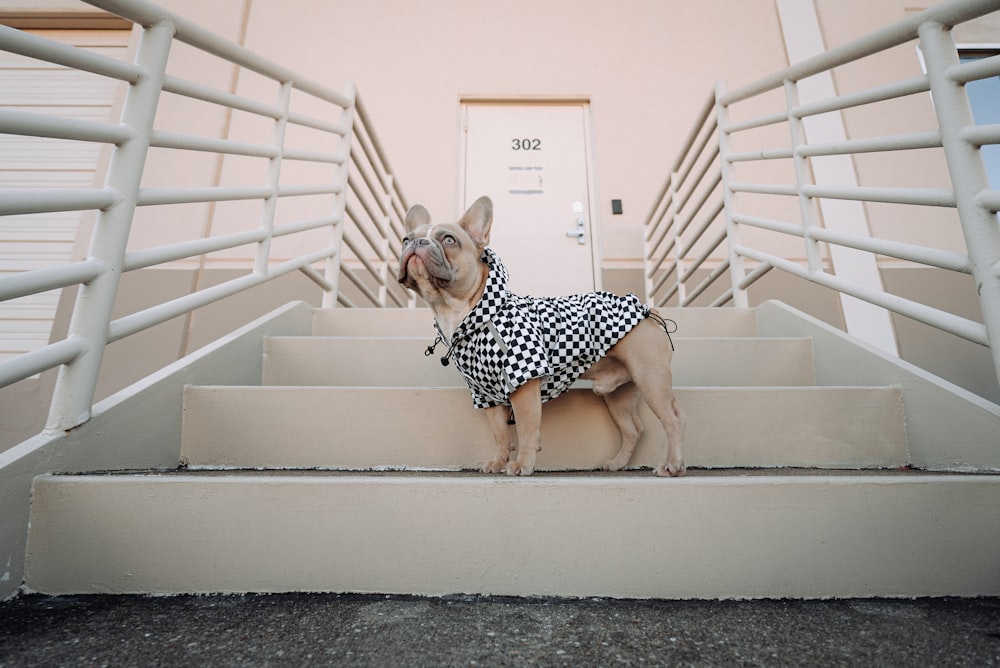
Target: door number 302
x,y
526,144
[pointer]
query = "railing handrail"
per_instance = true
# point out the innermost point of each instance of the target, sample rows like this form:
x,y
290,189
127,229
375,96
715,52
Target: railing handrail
x,y
670,235
375,226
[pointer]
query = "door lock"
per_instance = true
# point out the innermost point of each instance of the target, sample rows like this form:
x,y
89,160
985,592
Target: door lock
x,y
580,232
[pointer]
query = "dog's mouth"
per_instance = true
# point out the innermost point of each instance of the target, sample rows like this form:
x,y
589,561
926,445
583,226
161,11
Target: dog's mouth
x,y
422,262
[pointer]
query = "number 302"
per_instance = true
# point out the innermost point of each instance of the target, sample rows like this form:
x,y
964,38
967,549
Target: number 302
x,y
526,144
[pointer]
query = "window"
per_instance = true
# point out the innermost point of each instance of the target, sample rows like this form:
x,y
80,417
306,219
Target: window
x,y
984,96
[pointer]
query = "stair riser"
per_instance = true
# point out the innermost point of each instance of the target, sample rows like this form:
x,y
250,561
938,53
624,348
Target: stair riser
x,y
802,537
691,322
721,362
365,428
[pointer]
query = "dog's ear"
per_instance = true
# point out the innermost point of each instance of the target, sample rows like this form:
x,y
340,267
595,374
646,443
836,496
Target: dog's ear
x,y
478,220
417,216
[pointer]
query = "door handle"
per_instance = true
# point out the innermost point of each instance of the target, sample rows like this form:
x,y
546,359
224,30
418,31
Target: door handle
x,y
580,233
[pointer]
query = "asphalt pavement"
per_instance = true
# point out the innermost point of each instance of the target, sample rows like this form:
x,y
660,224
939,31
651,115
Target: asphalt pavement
x,y
377,630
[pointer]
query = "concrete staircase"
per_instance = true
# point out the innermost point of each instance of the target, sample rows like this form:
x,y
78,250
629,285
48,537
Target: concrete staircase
x,y
349,469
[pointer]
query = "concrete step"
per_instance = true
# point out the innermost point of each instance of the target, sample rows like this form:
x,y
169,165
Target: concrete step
x,y
437,428
691,322
610,535
356,361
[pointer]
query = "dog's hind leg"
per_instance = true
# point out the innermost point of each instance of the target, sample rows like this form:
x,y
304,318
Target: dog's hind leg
x,y
645,353
623,405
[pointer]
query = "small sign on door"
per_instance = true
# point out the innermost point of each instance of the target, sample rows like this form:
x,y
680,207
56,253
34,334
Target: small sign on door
x,y
525,181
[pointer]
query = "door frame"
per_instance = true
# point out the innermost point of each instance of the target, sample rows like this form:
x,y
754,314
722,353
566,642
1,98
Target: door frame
x,y
594,210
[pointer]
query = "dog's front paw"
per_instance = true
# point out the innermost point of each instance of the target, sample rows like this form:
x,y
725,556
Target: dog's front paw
x,y
671,468
614,464
520,468
495,466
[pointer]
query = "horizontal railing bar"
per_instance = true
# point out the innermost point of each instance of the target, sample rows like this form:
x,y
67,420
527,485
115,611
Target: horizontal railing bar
x,y
702,227
891,91
666,252
37,361
372,158
304,225
373,189
161,313
713,244
980,68
768,224
757,122
931,257
708,281
696,154
147,14
40,48
358,255
177,140
362,115
23,202
762,154
989,199
197,91
947,14
37,125
723,299
315,189
915,196
670,269
312,156
161,196
353,215
765,189
358,283
752,277
317,278
981,135
706,115
967,329
32,282
697,180
697,207
914,141
141,259
316,124
653,221
155,315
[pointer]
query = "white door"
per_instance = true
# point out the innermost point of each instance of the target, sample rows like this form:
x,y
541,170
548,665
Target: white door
x,y
532,160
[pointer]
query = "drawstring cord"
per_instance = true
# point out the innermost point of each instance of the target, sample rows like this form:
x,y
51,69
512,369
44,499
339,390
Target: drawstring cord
x,y
663,322
431,348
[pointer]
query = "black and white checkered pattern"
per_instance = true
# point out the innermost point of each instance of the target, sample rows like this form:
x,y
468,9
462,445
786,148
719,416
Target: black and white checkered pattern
x,y
508,340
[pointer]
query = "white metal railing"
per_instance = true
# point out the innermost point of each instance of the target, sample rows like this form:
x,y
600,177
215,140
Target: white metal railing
x,y
365,206
696,222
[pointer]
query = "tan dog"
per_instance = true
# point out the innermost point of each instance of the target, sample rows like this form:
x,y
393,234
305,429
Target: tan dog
x,y
464,283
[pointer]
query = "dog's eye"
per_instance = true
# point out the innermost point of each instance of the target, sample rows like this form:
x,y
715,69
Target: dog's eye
x,y
448,240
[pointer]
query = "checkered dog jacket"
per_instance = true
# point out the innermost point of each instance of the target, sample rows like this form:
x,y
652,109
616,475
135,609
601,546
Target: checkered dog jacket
x,y
507,340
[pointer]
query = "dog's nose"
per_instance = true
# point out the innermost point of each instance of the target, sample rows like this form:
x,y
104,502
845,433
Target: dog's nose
x,y
422,241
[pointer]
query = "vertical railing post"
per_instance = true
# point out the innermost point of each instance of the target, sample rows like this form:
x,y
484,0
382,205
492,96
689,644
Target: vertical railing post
x,y
332,273
268,207
672,238
807,211
74,391
737,269
386,229
968,175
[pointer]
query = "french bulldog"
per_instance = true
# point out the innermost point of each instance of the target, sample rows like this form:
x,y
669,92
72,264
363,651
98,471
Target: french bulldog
x,y
515,368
